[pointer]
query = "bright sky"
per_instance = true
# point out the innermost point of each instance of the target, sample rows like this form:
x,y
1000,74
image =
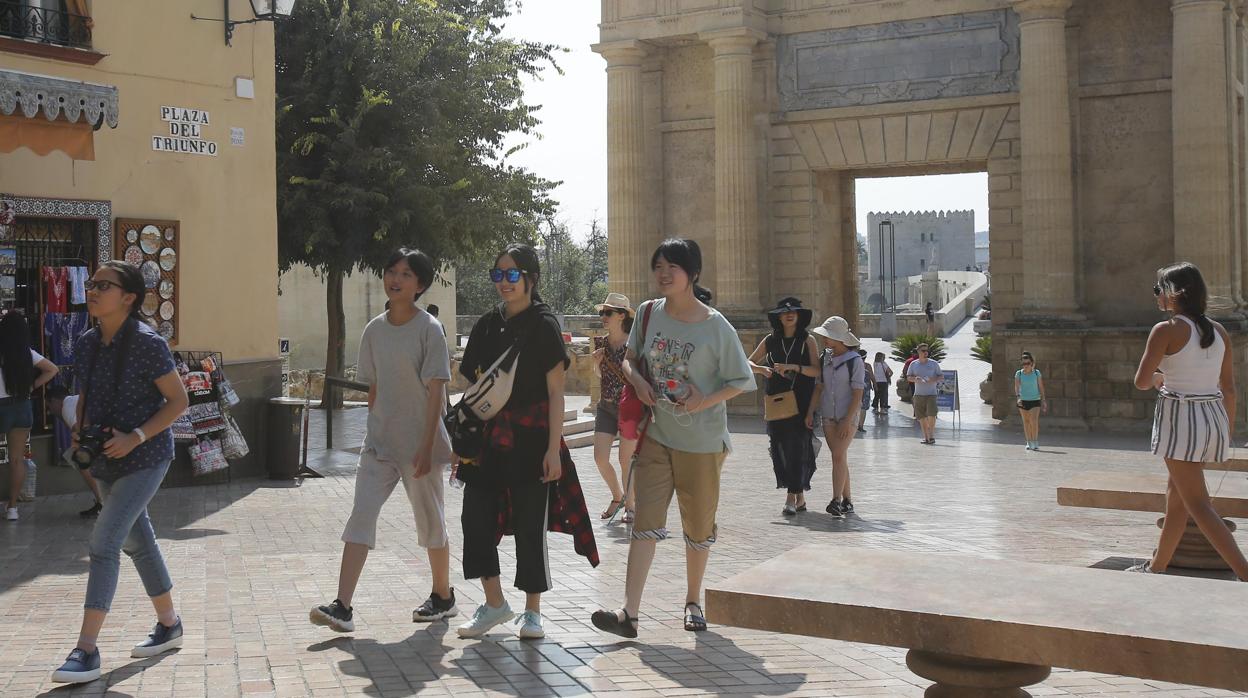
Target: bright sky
x,y
573,143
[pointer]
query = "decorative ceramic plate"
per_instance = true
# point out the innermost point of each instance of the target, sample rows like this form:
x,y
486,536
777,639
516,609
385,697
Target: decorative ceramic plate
x,y
166,289
166,310
132,235
134,255
166,330
168,259
149,239
169,234
150,304
151,273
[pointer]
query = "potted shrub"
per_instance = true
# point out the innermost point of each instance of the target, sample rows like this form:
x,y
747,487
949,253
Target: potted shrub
x,y
983,352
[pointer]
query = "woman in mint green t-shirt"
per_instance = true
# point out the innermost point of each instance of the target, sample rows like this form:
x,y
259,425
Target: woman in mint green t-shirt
x,y
1029,387
686,362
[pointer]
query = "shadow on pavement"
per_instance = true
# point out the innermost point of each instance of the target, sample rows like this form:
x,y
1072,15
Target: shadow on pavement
x,y
712,653
395,667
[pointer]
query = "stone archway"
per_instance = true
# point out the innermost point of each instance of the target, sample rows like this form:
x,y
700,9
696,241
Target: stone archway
x,y
1113,132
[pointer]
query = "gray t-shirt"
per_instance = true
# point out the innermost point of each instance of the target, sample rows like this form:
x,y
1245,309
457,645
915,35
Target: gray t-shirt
x,y
707,354
400,361
924,369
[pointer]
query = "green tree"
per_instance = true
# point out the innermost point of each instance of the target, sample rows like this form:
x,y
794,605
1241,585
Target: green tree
x,y
597,247
390,122
565,270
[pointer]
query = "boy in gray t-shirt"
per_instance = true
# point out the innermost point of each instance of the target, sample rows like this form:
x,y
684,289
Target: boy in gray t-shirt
x,y
406,364
925,373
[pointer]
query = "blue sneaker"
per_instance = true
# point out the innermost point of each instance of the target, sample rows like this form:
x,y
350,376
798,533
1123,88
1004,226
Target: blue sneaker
x,y
79,667
160,640
484,618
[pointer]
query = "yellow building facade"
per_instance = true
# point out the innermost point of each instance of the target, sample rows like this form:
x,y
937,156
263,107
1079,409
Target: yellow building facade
x,y
129,129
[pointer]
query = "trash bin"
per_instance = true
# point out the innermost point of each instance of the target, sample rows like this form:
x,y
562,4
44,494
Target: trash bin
x,y
285,423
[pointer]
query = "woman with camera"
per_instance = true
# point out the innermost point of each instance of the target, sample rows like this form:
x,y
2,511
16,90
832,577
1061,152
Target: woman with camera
x,y
22,371
131,394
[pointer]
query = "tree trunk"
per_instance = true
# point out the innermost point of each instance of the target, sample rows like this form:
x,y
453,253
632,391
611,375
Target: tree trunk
x,y
336,345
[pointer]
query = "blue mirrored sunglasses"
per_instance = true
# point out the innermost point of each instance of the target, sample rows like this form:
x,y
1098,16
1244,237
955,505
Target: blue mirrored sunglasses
x,y
512,275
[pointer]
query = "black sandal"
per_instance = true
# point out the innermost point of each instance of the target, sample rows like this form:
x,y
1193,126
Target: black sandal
x,y
694,622
609,622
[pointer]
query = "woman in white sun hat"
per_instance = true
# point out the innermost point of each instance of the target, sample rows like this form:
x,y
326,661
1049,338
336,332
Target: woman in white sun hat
x,y
616,314
838,397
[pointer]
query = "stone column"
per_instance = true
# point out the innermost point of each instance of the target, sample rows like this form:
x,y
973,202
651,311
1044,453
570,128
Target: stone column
x,y
736,186
1049,274
626,206
1202,144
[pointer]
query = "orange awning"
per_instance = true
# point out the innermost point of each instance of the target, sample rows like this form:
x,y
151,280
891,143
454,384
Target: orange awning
x,y
43,136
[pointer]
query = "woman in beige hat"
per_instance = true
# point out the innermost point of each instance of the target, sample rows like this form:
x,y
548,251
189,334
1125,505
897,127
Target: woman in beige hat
x,y
838,397
616,314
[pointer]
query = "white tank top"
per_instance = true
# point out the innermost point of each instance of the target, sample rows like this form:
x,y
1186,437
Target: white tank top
x,y
1194,370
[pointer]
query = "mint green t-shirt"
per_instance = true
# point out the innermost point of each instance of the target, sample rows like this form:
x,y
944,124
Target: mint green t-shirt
x,y
707,354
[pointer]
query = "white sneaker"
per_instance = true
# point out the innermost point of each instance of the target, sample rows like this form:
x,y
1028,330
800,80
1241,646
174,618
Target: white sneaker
x,y
11,515
531,626
485,618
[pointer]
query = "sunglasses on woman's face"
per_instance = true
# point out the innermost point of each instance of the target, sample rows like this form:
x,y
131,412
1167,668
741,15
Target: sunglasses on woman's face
x,y
512,275
1156,289
101,286
607,312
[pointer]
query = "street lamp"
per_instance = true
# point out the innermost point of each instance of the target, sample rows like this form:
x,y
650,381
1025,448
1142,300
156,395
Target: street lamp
x,y
888,318
264,11
888,299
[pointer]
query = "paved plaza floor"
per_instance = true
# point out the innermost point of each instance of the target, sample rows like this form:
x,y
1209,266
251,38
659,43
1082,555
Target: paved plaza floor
x,y
250,558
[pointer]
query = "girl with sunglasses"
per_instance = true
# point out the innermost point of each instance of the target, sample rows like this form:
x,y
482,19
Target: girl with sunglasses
x,y
131,390
1029,389
523,482
1188,362
617,319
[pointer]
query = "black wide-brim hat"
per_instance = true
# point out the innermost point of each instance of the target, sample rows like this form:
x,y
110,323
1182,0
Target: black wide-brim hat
x,y
789,304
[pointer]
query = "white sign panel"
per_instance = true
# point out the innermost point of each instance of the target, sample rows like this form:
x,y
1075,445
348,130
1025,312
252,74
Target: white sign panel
x,y
184,133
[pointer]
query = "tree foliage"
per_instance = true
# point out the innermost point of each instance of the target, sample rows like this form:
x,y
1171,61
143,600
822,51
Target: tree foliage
x,y
983,349
391,116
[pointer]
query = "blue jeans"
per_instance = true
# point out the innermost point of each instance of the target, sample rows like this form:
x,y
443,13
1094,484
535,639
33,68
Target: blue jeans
x,y
123,525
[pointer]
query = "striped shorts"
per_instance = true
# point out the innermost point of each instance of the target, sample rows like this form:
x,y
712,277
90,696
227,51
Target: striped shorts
x,y
1192,428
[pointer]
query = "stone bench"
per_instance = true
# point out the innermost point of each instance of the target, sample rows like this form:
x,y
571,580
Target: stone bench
x,y
1147,492
984,628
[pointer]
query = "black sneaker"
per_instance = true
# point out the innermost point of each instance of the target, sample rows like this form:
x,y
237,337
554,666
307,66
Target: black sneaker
x,y
834,508
335,616
435,608
161,639
847,507
91,513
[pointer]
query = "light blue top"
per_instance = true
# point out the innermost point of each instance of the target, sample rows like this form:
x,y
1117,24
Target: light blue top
x,y
924,369
1028,384
707,354
839,382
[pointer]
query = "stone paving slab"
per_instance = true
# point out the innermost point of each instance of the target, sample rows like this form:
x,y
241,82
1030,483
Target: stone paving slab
x,y
249,558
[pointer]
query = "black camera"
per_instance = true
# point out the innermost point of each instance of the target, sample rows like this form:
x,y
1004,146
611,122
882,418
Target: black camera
x,y
91,442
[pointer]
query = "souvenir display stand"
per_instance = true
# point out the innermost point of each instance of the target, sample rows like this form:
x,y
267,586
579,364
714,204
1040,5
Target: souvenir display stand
x,y
206,435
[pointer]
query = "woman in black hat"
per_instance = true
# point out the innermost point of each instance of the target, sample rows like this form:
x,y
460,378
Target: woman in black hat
x,y
787,358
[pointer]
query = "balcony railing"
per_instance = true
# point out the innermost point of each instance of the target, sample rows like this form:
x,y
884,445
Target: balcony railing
x,y
22,19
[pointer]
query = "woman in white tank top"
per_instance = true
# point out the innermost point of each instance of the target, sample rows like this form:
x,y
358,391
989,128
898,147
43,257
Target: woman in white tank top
x,y
1188,361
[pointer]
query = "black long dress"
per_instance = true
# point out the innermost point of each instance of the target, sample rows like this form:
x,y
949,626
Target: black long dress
x,y
792,444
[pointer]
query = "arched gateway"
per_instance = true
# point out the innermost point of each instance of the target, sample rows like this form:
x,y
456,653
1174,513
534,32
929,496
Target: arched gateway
x,y
1112,131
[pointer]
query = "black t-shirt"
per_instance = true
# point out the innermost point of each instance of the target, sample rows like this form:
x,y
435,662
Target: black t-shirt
x,y
542,349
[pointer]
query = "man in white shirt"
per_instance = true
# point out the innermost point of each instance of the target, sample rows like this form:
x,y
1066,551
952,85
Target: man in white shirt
x,y
61,404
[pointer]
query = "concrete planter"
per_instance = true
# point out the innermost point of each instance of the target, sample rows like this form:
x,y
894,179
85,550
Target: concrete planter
x,y
985,390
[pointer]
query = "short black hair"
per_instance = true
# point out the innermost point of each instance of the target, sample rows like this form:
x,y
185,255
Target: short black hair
x,y
420,264
432,310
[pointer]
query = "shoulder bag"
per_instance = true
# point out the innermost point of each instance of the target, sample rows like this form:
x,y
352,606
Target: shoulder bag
x,y
781,405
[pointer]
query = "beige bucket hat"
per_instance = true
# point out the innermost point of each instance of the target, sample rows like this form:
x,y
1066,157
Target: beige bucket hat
x,y
837,328
618,301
